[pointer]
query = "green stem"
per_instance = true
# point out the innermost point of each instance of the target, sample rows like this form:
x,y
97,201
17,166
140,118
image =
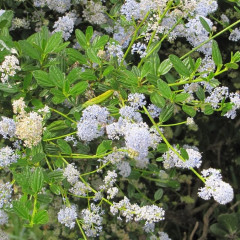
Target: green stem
x,y
80,227
34,210
134,37
212,37
50,139
174,124
62,114
168,144
103,166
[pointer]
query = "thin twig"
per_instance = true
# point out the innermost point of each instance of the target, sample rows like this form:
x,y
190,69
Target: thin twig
x,y
206,221
194,230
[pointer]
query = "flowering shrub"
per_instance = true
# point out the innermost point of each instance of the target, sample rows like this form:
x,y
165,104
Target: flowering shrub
x,y
88,115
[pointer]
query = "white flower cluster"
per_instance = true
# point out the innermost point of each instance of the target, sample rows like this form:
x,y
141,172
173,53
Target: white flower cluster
x,y
221,191
92,123
3,235
235,35
29,128
67,216
138,137
71,173
115,50
3,217
9,67
92,220
109,180
122,35
153,110
79,189
235,100
136,100
172,160
162,236
20,23
65,25
7,127
217,95
5,194
150,214
60,6
94,12
7,156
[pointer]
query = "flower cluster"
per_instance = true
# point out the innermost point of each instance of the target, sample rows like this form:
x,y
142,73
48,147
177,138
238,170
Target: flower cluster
x,y
92,220
149,214
68,216
8,68
7,156
171,159
221,191
7,127
92,123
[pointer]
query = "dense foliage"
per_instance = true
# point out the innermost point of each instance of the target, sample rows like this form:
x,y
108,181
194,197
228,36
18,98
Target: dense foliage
x,y
118,119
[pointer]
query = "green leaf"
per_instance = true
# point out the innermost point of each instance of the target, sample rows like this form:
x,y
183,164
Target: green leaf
x,y
56,176
27,81
29,50
164,67
108,70
205,24
64,146
8,89
217,230
78,88
104,147
200,93
38,157
166,113
189,110
232,65
21,210
55,189
58,97
41,217
76,56
57,125
81,38
208,110
184,153
7,16
37,180
162,147
93,56
44,198
229,222
179,66
181,97
88,75
134,175
216,54
100,42
56,76
158,100
158,194
164,89
236,57
145,69
43,79
74,75
89,33
53,42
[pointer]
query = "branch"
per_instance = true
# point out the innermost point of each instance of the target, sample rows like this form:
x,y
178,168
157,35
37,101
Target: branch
x,y
206,221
